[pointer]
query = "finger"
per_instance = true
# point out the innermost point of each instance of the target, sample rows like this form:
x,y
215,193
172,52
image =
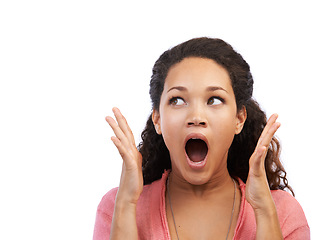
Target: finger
x,y
117,131
269,123
257,160
269,135
119,146
123,124
259,155
269,131
125,151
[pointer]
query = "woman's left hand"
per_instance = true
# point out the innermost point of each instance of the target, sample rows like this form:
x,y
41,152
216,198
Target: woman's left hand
x,y
257,188
258,193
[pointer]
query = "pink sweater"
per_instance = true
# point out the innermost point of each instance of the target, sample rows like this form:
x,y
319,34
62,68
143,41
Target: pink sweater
x,y
152,222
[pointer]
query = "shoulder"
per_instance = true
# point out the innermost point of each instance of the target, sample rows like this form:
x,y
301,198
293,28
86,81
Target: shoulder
x,y
287,205
106,205
148,212
104,215
107,202
291,215
151,190
285,200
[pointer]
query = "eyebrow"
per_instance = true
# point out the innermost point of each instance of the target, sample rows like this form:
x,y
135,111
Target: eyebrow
x,y
214,88
180,88
209,89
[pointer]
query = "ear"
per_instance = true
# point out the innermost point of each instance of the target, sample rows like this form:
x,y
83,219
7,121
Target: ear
x,y
241,119
156,121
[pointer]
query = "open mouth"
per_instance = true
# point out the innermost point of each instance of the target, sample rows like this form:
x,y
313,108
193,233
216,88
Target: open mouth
x,y
196,150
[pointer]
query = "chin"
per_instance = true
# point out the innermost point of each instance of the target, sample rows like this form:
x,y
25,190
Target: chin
x,y
196,178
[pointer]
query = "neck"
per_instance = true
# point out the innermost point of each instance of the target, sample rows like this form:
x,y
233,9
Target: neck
x,y
219,184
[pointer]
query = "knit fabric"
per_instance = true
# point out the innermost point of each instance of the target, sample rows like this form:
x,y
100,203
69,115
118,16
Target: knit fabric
x,y
152,221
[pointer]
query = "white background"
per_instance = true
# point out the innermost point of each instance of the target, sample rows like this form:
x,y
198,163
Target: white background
x,y
64,64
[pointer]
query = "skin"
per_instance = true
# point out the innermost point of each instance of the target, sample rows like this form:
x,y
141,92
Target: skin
x,y
197,98
196,85
203,103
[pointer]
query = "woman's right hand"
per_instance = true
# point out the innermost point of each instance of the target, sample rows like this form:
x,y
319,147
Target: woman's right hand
x,y
131,181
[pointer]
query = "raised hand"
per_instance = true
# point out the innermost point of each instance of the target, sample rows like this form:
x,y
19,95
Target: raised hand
x,y
257,188
131,181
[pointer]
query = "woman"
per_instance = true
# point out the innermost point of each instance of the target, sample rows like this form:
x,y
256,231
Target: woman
x,y
208,166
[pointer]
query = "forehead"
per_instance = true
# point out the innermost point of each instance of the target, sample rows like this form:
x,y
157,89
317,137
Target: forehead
x,y
195,72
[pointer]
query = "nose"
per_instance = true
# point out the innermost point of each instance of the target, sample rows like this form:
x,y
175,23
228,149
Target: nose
x,y
197,117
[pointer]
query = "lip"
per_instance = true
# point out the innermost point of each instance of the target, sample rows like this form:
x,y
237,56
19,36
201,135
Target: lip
x,y
201,164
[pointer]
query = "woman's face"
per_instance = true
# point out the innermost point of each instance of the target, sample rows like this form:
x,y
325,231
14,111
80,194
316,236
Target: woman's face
x,y
198,119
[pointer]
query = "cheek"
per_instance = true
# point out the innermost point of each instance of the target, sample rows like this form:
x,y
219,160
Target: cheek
x,y
171,122
171,125
224,128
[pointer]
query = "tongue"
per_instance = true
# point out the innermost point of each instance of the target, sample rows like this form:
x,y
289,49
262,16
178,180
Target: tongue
x,y
196,150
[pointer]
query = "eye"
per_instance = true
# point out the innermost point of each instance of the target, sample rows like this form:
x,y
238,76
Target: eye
x,y
177,101
215,101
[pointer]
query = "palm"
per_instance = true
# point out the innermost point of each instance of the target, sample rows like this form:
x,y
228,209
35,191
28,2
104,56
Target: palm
x,y
257,188
131,181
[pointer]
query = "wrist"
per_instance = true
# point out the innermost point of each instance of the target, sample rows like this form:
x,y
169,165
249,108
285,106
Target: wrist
x,y
266,210
267,222
123,211
125,203
126,198
124,215
268,216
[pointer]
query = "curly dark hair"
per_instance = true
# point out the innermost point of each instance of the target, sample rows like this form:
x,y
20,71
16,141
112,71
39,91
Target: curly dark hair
x,y
156,157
